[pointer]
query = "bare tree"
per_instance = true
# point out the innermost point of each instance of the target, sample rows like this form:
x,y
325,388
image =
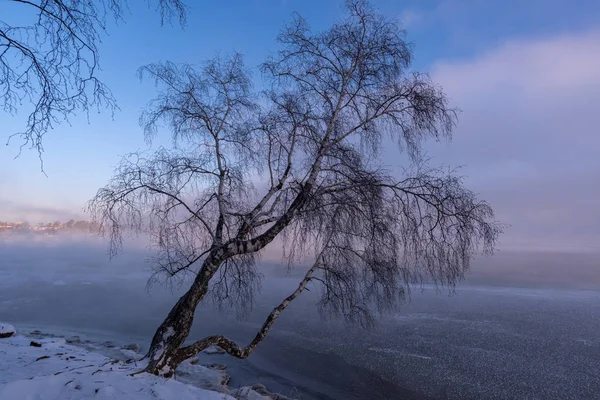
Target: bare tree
x,y
311,143
53,62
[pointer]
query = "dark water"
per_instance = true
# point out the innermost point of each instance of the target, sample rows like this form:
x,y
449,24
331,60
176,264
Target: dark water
x,y
481,343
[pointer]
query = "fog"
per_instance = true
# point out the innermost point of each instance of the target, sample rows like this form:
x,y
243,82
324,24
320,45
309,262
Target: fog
x,y
520,324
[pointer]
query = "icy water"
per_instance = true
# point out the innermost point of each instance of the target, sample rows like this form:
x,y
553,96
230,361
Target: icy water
x,y
481,343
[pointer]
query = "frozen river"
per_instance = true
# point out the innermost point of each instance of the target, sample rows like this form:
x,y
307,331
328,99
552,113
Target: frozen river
x,y
481,343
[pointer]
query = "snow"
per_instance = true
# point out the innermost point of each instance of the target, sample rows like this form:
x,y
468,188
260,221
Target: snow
x,y
168,333
213,350
7,330
52,369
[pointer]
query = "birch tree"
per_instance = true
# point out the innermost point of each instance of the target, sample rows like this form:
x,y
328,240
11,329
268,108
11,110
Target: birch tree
x,y
301,161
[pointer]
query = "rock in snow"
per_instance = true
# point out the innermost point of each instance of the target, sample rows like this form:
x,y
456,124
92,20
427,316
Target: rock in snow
x,y
6,330
60,371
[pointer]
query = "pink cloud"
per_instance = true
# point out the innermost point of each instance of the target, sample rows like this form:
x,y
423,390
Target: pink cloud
x,y
528,135
535,68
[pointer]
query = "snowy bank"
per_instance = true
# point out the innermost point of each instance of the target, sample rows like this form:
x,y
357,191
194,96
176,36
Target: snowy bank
x,y
52,369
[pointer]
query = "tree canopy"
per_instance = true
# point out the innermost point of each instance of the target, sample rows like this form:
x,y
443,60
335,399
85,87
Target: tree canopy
x,y
53,62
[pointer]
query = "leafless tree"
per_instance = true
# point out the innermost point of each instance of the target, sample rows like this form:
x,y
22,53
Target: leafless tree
x,y
53,62
311,144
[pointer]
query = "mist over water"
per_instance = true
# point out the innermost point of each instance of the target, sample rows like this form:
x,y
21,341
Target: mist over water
x,y
497,336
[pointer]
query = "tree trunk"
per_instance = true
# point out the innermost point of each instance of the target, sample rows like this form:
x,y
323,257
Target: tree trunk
x,y
164,355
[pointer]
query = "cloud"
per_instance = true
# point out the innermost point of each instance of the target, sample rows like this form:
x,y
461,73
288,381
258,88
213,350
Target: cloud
x,y
527,70
410,18
528,134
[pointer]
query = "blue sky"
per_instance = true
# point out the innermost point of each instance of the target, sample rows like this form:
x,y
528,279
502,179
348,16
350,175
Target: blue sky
x,y
525,75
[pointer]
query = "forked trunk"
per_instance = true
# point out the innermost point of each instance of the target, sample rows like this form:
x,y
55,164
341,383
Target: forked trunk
x,y
166,351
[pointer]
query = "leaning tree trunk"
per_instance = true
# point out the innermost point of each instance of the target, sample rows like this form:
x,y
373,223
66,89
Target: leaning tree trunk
x,y
164,354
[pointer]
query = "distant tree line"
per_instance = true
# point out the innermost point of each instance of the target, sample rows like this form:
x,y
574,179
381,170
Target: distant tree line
x,y
71,225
